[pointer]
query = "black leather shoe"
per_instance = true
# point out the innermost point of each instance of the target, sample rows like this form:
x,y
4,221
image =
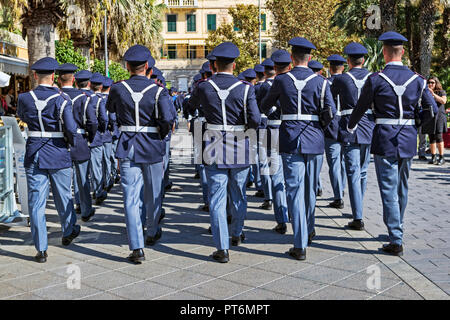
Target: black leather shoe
x,y
259,194
440,160
433,159
296,253
99,200
235,241
229,219
168,187
311,237
151,241
41,256
319,192
249,184
267,205
423,158
77,209
67,240
205,208
197,176
86,219
137,256
281,228
394,249
209,230
221,256
337,204
162,215
356,225
117,179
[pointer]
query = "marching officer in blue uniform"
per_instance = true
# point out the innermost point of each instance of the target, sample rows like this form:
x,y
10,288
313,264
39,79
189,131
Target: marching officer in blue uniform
x,y
249,76
144,118
51,129
230,107
274,168
400,102
333,152
86,120
108,180
113,129
83,78
346,88
263,183
307,107
315,66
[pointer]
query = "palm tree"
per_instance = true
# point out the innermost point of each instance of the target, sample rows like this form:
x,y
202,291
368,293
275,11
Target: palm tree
x,y
388,14
427,19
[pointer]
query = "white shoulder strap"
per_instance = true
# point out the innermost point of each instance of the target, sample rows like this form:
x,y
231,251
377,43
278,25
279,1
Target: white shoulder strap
x,y
77,97
247,87
156,101
40,105
137,97
300,85
223,95
85,109
322,95
421,94
61,113
359,83
399,90
98,105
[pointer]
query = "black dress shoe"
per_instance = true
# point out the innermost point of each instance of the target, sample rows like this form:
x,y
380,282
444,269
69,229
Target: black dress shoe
x,y
394,249
168,187
162,215
297,253
99,200
205,208
319,192
229,219
259,194
221,256
117,179
433,159
440,160
235,241
137,256
41,256
311,237
86,219
281,228
197,176
249,184
77,209
356,225
67,240
209,230
267,205
337,204
151,241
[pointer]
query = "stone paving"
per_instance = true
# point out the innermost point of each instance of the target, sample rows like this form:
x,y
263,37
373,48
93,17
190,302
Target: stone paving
x,y
341,263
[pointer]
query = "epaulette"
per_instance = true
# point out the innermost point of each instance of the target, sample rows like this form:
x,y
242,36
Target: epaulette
x,y
65,95
420,75
246,82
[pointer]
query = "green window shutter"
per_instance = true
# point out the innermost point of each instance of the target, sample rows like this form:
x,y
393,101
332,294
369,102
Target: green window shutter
x,y
211,21
190,18
172,51
171,22
263,22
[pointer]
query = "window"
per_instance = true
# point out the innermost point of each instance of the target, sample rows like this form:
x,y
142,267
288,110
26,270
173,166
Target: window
x,y
263,22
237,26
264,50
211,22
192,52
171,22
190,19
172,51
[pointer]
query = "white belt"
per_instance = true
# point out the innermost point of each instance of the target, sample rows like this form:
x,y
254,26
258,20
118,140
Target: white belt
x,y
274,122
349,112
81,131
45,134
300,117
138,129
224,128
200,119
396,122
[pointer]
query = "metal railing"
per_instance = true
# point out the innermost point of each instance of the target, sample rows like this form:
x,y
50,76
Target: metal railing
x,y
181,3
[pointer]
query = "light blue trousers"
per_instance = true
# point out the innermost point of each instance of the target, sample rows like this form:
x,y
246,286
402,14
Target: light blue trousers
x,y
76,190
279,191
392,175
336,168
38,182
357,159
96,171
114,171
81,174
301,173
220,182
106,165
134,178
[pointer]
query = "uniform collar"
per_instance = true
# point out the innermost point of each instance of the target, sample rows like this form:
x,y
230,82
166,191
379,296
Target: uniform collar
x,y
135,76
46,85
306,67
67,87
227,73
394,63
273,78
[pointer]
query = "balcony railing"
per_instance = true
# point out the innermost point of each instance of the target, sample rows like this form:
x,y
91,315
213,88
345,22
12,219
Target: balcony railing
x,y
181,3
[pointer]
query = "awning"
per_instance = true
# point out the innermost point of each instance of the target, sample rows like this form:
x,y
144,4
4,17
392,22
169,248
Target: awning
x,y
13,65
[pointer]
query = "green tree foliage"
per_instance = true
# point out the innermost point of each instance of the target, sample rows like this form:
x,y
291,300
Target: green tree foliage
x,y
311,20
116,71
66,53
245,17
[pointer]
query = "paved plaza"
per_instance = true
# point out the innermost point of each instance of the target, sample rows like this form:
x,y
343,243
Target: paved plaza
x,y
340,264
